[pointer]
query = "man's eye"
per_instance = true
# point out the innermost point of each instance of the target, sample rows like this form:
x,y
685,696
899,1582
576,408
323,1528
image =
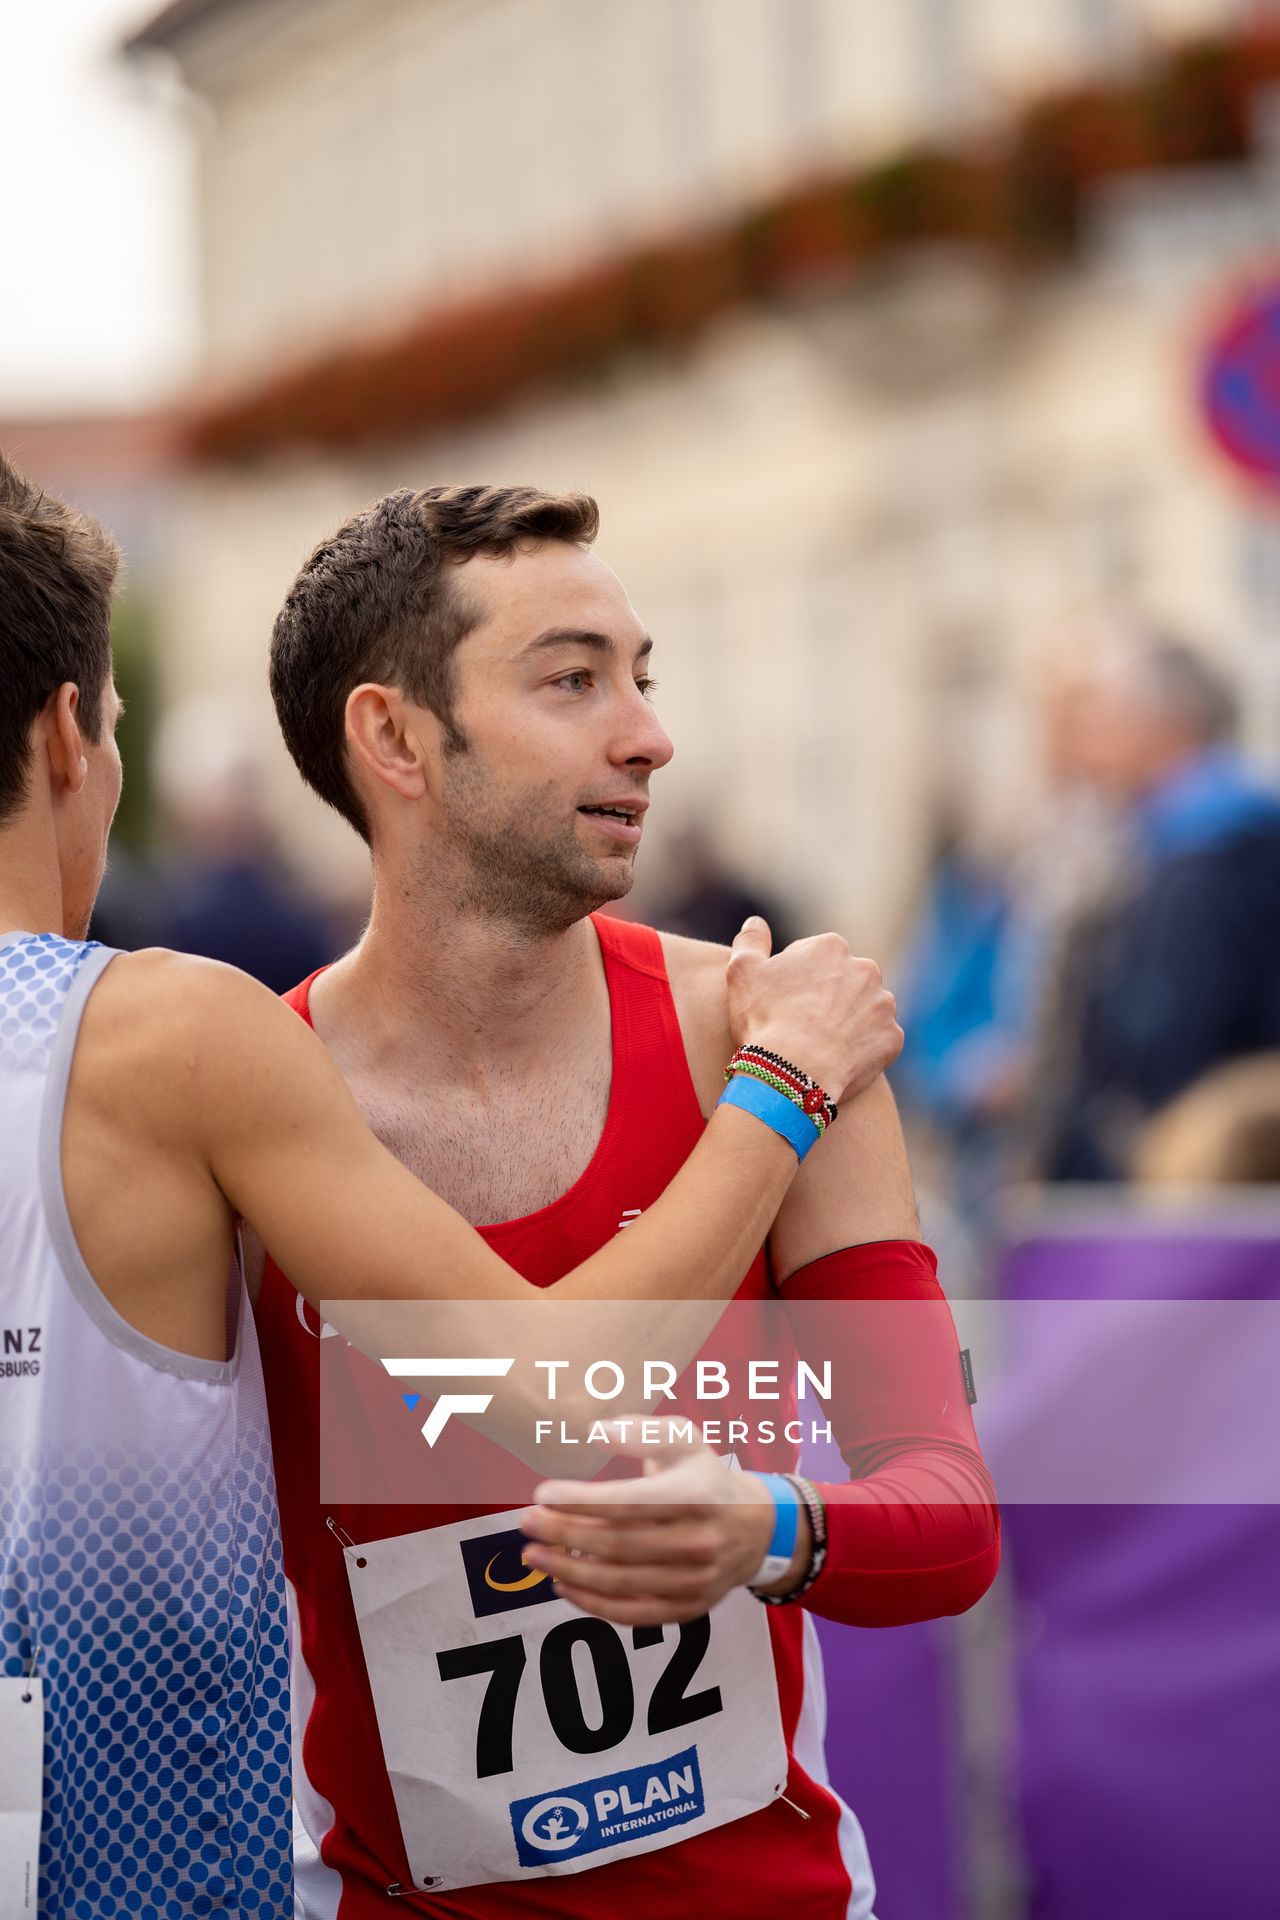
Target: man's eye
x,y
648,688
577,682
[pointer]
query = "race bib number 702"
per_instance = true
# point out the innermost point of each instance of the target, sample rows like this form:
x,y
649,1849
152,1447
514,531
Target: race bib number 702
x,y
524,1737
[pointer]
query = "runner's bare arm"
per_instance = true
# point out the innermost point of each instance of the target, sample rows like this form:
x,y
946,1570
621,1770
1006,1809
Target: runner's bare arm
x,y
196,1091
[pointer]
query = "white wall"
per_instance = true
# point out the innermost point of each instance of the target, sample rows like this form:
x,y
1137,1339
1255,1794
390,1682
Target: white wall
x,y
362,162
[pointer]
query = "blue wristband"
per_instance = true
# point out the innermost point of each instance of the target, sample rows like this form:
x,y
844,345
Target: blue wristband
x,y
774,1108
786,1523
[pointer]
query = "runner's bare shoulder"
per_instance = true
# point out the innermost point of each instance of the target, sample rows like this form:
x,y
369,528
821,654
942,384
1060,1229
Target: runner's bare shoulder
x,y
159,1031
696,970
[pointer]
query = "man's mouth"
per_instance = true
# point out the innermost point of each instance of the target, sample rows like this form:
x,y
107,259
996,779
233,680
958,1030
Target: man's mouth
x,y
620,819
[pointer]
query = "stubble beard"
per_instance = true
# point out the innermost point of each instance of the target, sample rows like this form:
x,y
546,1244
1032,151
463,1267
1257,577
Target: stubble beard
x,y
539,883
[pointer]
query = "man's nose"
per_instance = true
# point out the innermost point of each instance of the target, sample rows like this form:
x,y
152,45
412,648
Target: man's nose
x,y
643,741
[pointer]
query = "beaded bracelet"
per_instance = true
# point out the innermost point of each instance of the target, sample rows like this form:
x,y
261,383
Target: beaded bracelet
x,y
798,1086
815,1507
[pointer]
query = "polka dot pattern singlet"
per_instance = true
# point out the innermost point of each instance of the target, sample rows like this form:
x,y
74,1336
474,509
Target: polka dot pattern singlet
x,y
139,1543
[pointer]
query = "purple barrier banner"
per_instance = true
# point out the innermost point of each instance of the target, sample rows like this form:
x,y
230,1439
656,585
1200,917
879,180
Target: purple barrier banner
x,y
893,1754
1147,1744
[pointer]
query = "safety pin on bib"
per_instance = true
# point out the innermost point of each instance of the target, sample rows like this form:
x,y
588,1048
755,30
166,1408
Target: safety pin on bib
x,y
344,1540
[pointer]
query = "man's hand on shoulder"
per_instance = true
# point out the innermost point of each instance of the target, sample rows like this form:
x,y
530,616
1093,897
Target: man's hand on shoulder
x,y
817,1004
856,1186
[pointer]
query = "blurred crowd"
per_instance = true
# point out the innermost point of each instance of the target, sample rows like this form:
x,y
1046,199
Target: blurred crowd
x,y
1104,1004
220,887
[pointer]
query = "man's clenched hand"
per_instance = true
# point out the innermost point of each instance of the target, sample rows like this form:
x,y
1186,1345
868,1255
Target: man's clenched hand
x,y
817,1004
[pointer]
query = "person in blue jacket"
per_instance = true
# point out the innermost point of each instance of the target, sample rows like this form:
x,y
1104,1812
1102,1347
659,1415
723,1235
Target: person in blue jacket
x,y
1180,970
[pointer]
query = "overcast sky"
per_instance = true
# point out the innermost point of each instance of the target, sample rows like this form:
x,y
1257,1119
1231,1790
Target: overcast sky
x,y
96,274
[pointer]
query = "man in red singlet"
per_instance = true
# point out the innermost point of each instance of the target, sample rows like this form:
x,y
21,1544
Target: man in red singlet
x,y
148,1101
466,682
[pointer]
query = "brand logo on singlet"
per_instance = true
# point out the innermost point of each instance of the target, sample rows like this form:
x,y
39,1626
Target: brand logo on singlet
x,y
497,1580
614,1807
19,1352
321,1330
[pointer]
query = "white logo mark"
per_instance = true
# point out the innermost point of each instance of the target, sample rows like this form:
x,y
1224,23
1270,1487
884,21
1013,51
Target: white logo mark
x,y
563,1823
448,1403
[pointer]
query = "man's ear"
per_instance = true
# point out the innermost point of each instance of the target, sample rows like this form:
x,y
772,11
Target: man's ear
x,y
386,736
63,740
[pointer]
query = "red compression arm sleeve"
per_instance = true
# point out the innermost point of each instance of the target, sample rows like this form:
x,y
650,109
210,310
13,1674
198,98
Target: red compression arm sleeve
x,y
915,1532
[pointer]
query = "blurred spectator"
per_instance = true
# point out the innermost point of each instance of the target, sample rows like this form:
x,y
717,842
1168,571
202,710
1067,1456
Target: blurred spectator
x,y
702,900
229,899
1223,1131
1177,968
959,1050
1074,869
986,956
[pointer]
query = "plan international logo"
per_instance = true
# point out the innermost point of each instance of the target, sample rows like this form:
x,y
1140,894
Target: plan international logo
x,y
608,1810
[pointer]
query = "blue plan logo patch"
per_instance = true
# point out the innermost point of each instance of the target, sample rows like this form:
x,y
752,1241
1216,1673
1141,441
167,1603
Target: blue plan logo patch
x,y
608,1810
496,1580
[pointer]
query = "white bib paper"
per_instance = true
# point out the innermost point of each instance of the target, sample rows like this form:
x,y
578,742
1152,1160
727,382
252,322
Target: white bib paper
x,y
21,1794
524,1737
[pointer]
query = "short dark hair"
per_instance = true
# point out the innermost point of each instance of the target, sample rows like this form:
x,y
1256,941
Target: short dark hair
x,y
375,602
57,575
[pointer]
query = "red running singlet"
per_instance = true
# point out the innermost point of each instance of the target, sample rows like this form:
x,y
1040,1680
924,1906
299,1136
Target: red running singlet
x,y
803,1852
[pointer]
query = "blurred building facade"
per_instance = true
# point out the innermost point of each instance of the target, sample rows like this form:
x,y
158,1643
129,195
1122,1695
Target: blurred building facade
x,y
853,458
